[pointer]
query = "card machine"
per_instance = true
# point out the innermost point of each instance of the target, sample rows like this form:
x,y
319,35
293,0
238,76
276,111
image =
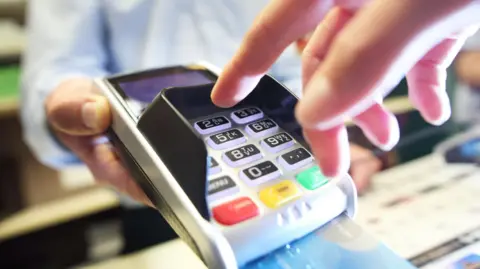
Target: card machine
x,y
463,148
235,184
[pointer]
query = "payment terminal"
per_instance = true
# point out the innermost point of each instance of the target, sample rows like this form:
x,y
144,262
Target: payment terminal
x,y
235,184
463,148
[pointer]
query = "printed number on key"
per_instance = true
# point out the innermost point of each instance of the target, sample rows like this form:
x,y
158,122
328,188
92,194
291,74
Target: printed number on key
x,y
242,155
278,142
226,139
211,125
246,115
262,127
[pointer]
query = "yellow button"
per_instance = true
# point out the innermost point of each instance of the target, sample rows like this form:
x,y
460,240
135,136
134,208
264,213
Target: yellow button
x,y
279,194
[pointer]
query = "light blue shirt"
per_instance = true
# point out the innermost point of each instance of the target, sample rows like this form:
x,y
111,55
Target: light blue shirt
x,y
95,38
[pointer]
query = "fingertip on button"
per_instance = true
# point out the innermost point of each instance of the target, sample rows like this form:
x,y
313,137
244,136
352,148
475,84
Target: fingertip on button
x,y
222,99
330,172
222,103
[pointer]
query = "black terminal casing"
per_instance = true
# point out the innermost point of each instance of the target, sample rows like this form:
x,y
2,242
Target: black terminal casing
x,y
166,125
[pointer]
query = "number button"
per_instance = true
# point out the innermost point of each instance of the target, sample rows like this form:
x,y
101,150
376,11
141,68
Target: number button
x,y
212,125
262,128
242,155
221,187
213,166
278,142
295,159
246,115
279,194
226,139
260,173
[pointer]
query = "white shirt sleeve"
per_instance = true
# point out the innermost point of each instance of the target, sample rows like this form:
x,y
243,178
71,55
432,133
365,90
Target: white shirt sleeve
x,y
64,39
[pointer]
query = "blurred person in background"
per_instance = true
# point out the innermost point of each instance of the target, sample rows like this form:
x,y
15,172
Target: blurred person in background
x,y
70,42
467,92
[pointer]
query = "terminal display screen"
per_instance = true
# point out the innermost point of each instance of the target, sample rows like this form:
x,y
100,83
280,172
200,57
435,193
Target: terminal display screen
x,y
140,89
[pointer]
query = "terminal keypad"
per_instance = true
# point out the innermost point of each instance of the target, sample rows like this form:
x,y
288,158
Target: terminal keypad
x,y
254,155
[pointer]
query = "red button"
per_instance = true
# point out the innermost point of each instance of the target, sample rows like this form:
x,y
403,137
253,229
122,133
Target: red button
x,y
235,211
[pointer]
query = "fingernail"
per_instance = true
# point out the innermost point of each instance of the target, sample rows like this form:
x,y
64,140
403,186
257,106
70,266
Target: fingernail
x,y
90,115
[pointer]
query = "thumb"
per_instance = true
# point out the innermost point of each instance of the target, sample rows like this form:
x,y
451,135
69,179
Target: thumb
x,y
74,109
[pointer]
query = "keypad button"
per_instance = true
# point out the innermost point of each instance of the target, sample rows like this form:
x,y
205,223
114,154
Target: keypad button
x,y
242,155
235,211
246,115
262,128
260,173
295,159
312,178
211,125
213,166
226,139
221,187
279,194
278,142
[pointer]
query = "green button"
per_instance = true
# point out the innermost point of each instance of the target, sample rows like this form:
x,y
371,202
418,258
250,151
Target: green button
x,y
312,178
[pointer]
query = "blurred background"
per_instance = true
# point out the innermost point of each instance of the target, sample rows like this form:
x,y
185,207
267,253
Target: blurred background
x,y
48,219
61,219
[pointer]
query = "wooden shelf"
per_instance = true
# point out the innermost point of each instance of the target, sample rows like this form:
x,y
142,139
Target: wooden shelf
x,y
399,105
170,255
59,211
8,107
13,9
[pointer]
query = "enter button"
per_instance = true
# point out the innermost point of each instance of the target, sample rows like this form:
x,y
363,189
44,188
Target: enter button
x,y
312,178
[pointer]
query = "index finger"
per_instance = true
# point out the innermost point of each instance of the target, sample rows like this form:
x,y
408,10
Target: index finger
x,y
364,63
281,23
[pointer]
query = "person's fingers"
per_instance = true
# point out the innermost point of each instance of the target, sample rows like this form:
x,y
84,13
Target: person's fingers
x,y
427,80
364,166
280,24
331,149
362,175
108,169
379,125
79,116
369,56
320,41
105,165
74,109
